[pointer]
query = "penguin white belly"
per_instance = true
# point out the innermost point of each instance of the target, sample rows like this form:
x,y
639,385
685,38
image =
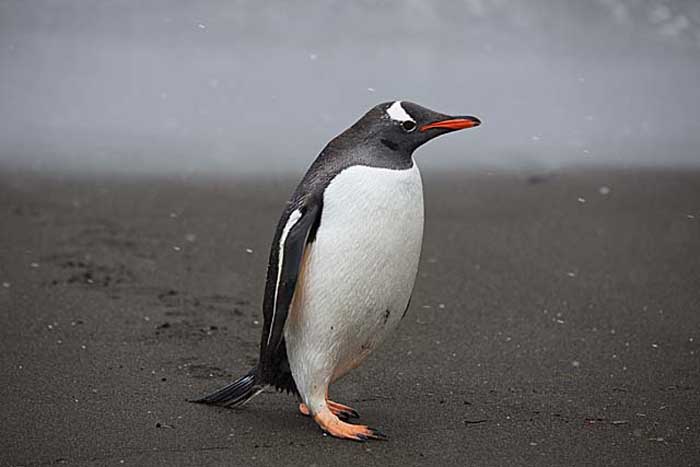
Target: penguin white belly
x,y
358,274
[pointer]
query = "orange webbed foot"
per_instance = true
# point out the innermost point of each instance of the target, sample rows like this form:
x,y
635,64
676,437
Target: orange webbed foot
x,y
340,410
332,425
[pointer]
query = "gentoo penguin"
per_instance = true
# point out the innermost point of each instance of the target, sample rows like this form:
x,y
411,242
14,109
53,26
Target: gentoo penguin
x,y
343,262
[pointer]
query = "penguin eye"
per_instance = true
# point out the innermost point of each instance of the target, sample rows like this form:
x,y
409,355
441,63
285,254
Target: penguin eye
x,y
408,125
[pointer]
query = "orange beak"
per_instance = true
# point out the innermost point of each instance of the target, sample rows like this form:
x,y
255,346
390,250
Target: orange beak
x,y
453,124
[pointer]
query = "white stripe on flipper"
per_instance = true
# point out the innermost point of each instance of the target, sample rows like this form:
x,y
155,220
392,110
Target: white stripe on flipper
x,y
293,219
398,113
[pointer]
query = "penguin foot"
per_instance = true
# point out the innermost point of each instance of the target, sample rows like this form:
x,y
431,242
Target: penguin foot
x,y
332,425
340,410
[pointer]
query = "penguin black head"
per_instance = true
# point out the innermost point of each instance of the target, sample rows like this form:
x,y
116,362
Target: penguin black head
x,y
404,126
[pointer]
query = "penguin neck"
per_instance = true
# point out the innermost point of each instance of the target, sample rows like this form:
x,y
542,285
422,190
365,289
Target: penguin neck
x,y
390,155
369,151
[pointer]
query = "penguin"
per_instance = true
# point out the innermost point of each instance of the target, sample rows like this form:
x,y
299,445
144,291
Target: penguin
x,y
343,263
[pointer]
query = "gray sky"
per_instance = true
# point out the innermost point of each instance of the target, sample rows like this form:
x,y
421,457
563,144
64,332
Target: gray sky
x,y
240,87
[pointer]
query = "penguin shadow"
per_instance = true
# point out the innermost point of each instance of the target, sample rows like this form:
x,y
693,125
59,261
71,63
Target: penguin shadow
x,y
270,420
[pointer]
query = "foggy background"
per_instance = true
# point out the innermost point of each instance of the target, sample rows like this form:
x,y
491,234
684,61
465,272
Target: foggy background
x,y
235,87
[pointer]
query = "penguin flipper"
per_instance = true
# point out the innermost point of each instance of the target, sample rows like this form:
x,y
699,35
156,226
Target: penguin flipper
x,y
299,230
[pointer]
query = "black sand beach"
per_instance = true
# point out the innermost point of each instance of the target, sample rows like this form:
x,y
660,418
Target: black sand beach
x,y
555,321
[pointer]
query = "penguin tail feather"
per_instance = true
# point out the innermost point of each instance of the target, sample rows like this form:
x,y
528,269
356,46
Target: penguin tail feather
x,y
235,394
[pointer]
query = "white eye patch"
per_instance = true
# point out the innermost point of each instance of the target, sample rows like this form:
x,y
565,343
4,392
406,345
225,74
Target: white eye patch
x,y
397,112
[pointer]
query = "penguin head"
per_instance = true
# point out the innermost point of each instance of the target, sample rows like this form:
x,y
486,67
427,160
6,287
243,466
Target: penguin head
x,y
404,126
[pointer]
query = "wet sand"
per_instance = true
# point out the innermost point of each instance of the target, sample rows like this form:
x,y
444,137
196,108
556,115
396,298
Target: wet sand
x,y
555,321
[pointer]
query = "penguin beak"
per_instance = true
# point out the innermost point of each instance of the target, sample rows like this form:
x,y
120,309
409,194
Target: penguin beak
x,y
455,123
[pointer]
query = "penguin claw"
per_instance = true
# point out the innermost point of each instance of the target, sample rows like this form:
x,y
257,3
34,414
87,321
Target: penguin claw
x,y
342,409
378,435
